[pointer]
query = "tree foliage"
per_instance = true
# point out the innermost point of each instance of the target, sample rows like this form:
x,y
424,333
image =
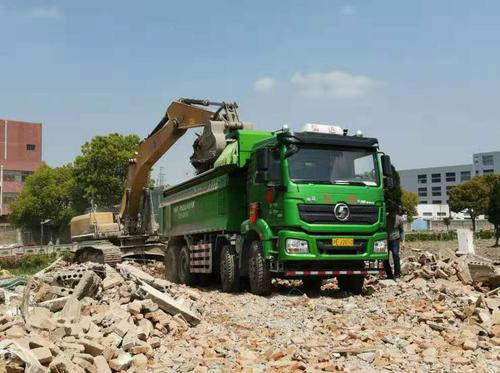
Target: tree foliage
x,y
494,208
101,170
409,202
46,195
393,195
471,197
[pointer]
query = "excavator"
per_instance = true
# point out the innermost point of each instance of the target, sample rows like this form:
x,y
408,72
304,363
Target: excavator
x,y
132,232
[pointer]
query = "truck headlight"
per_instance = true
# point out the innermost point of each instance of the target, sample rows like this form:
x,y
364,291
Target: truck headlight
x,y
380,246
294,246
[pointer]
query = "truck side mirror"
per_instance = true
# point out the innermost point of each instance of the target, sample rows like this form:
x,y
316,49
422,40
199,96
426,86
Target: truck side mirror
x,y
386,166
262,165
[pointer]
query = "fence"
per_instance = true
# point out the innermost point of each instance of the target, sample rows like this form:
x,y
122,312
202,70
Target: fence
x,y
439,226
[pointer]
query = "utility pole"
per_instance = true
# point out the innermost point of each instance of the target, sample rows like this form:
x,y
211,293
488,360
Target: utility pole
x,y
161,174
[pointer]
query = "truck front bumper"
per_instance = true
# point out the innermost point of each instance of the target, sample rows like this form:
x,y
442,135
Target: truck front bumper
x,y
324,259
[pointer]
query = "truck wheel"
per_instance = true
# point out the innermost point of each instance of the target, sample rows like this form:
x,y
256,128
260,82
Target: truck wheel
x,y
185,275
353,284
171,258
229,270
258,272
312,284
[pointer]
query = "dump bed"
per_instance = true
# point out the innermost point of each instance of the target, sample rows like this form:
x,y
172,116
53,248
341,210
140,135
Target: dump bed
x,y
212,201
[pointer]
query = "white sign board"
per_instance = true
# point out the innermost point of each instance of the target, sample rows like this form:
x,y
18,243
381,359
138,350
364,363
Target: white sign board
x,y
465,242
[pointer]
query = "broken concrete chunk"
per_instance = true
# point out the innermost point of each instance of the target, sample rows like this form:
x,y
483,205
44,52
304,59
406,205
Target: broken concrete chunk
x,y
101,365
43,354
72,310
111,281
169,304
122,328
88,285
122,362
130,271
91,347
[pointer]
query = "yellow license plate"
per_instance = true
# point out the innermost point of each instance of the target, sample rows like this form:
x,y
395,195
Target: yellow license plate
x,y
342,241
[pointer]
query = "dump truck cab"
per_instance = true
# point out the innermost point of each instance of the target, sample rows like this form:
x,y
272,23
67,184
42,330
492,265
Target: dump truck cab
x,y
305,205
316,203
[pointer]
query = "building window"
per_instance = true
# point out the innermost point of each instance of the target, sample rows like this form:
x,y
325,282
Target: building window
x,y
436,202
422,192
30,147
422,179
442,214
427,213
477,172
436,191
9,197
450,176
487,172
423,202
464,175
487,160
436,178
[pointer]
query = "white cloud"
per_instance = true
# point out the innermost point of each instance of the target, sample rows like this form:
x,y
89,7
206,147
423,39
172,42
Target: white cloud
x,y
347,10
263,85
44,13
333,83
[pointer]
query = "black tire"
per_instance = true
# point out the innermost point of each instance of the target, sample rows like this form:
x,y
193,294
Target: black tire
x,y
184,268
353,284
171,268
229,270
258,271
312,284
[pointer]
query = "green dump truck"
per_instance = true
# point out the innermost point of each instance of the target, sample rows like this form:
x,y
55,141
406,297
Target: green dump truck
x,y
298,205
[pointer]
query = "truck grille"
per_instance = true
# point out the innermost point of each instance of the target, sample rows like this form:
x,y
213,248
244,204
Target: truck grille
x,y
325,248
324,214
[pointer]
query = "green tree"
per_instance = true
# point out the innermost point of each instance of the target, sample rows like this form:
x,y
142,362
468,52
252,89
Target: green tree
x,y
494,209
409,202
46,195
101,170
471,197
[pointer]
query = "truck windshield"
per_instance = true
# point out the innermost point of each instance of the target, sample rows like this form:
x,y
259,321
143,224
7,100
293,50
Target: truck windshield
x,y
319,165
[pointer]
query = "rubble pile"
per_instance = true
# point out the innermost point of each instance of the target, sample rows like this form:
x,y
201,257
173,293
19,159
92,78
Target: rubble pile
x,y
92,318
467,269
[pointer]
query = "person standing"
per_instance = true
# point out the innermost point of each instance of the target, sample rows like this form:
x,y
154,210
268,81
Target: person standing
x,y
396,234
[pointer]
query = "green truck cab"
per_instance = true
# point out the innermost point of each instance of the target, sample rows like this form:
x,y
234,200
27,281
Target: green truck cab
x,y
306,205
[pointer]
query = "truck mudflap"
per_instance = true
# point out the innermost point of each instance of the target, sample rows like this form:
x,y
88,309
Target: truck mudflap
x,y
334,273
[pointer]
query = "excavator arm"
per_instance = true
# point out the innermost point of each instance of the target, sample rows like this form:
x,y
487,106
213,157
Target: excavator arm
x,y
179,117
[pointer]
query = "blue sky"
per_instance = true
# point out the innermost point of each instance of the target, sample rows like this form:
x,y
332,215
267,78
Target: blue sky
x,y
422,76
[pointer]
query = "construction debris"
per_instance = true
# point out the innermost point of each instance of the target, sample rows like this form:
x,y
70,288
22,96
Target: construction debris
x,y
94,318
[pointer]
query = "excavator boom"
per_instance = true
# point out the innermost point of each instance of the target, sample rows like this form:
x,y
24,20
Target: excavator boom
x,y
180,116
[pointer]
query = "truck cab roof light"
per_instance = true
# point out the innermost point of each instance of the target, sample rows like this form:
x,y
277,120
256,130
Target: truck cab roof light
x,y
322,128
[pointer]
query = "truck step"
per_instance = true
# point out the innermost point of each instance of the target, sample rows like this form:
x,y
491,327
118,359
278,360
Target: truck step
x,y
334,273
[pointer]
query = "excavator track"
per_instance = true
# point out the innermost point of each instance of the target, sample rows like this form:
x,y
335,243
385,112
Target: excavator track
x,y
98,252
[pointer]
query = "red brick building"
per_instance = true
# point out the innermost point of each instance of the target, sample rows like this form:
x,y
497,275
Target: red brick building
x,y
20,156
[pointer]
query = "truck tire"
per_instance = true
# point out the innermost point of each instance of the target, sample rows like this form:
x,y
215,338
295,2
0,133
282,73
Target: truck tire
x,y
229,270
258,272
312,284
353,284
171,258
184,268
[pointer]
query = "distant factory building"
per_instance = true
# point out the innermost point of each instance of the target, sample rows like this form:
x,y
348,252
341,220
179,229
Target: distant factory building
x,y
432,184
20,156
